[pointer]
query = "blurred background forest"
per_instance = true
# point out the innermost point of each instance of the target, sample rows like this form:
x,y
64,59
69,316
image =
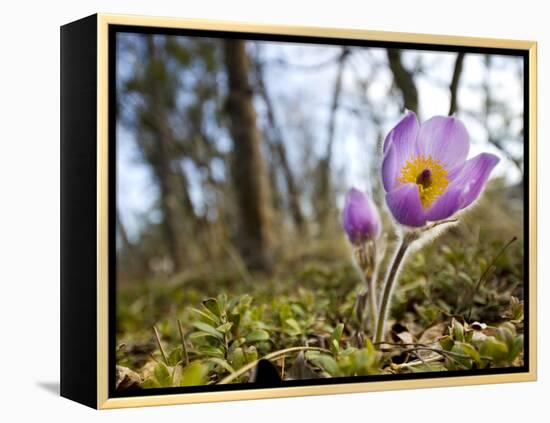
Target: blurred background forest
x,y
233,159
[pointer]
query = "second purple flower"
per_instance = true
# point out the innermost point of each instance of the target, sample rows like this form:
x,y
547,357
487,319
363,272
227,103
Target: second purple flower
x,y
360,217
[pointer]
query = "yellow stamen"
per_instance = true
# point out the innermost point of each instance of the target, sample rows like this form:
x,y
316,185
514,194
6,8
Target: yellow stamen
x,y
430,176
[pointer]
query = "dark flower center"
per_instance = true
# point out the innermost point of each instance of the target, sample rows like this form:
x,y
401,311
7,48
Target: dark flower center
x,y
425,178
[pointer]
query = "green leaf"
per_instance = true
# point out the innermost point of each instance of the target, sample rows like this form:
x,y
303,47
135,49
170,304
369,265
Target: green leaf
x,y
240,304
468,335
162,375
211,304
515,312
495,349
457,330
327,363
222,363
446,343
337,332
257,336
205,327
312,355
517,347
335,338
232,303
362,362
371,349
295,328
297,309
251,354
237,358
213,319
235,319
212,351
150,383
225,328
428,367
222,303
464,361
194,374
175,356
199,334
468,350
506,333
465,278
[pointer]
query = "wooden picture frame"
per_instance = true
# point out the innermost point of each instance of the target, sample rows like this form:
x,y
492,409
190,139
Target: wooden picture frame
x,y
88,218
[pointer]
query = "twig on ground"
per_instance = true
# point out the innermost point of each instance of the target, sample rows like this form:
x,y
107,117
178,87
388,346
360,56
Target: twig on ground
x,y
183,346
270,356
157,337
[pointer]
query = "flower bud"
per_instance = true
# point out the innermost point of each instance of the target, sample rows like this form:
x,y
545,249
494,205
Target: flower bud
x,y
360,217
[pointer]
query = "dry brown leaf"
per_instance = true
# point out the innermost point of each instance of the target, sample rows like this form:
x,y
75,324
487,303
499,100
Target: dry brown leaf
x,y
127,379
433,333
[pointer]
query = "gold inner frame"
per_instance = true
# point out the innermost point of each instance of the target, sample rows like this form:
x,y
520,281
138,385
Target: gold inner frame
x,y
103,400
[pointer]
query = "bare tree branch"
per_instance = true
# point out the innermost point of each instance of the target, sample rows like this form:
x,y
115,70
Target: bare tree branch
x,y
490,107
161,160
457,72
325,162
278,147
403,80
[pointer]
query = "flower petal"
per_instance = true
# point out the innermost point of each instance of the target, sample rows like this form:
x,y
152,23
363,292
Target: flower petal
x,y
464,188
446,205
403,136
390,169
474,175
360,217
445,139
404,203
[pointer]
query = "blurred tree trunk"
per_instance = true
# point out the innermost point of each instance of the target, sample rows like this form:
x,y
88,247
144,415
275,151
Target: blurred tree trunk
x,y
453,88
130,251
324,197
278,147
403,80
249,172
161,158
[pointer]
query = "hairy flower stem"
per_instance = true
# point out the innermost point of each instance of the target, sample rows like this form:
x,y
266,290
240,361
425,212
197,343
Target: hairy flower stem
x,y
371,285
366,258
391,279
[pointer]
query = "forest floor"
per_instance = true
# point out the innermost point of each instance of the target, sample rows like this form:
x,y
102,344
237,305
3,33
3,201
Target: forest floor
x,y
458,306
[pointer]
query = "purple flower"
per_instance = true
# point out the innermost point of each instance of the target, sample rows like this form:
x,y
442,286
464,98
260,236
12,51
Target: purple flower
x,y
360,217
425,172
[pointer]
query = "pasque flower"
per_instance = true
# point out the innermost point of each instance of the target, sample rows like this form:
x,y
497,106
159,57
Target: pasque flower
x,y
362,225
427,178
425,171
360,217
